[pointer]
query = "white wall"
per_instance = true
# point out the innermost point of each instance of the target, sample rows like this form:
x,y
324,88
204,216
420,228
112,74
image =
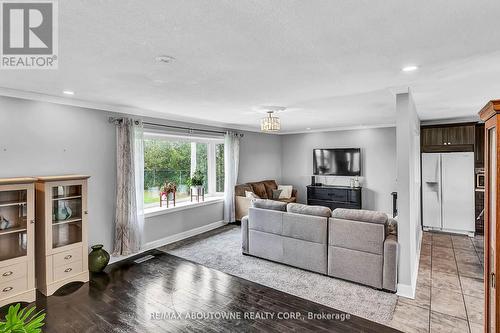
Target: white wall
x,y
39,138
408,188
168,225
260,157
378,151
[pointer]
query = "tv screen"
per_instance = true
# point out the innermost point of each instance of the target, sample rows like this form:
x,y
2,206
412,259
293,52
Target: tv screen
x,y
337,162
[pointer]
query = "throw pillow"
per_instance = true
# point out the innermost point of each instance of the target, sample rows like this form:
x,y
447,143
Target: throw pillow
x,y
260,190
286,191
276,194
251,195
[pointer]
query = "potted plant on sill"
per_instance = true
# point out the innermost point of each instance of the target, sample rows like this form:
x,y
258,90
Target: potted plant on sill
x,y
197,188
169,187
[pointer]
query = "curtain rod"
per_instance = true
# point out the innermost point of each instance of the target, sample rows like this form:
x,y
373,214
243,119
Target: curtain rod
x,y
111,119
185,128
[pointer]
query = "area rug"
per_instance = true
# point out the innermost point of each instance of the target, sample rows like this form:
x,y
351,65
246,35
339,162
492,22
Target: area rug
x,y
221,250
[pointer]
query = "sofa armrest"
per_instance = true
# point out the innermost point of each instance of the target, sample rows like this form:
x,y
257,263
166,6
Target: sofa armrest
x,y
244,234
241,205
390,272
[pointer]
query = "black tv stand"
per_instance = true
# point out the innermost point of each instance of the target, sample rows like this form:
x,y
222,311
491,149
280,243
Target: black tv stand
x,y
334,196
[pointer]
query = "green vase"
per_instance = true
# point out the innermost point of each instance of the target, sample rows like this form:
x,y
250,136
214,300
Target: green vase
x,y
98,259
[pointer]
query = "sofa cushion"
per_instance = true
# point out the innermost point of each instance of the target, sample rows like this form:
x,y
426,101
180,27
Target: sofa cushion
x,y
357,266
239,190
251,195
270,185
361,236
308,210
265,245
260,189
265,220
306,255
305,227
289,200
269,204
360,215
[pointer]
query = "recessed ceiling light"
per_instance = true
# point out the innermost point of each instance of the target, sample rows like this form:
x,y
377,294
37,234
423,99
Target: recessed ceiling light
x,y
165,58
68,92
308,128
410,68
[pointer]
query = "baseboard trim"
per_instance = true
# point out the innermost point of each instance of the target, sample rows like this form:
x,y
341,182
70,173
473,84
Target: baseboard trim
x,y
406,290
171,239
183,235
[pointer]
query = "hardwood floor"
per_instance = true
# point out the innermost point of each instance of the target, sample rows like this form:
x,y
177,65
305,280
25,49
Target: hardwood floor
x,y
133,297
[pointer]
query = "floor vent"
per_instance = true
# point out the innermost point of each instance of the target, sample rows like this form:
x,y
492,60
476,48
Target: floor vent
x,y
143,259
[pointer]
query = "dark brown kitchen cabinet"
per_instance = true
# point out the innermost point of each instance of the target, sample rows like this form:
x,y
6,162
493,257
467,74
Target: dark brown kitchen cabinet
x,y
448,138
432,136
460,135
479,147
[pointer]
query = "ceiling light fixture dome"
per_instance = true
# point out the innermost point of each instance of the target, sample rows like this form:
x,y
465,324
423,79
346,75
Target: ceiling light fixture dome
x,y
270,123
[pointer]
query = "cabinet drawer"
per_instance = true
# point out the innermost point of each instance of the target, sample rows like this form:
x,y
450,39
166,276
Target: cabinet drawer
x,y
317,193
13,272
328,194
332,204
67,257
13,287
354,197
68,270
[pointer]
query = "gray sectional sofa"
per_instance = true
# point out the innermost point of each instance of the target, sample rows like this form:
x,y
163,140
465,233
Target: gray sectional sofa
x,y
349,244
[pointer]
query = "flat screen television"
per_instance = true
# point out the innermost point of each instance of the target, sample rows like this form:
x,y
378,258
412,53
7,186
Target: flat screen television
x,y
337,162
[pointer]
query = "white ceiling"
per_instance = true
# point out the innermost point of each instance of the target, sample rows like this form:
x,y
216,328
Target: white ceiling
x,y
334,64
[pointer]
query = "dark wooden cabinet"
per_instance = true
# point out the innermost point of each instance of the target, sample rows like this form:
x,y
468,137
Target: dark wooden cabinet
x,y
334,196
490,114
432,136
448,138
479,146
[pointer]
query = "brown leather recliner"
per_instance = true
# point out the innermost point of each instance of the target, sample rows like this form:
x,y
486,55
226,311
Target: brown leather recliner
x,y
264,189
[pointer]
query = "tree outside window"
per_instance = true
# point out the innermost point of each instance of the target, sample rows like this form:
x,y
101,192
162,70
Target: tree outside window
x,y
175,159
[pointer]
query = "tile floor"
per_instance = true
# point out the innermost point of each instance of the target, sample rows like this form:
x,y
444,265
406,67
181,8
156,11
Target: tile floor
x,y
450,291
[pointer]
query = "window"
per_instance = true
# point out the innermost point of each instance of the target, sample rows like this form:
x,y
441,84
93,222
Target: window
x,y
174,158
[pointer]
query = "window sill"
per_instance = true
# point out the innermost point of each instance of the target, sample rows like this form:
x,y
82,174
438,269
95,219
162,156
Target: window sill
x,y
155,211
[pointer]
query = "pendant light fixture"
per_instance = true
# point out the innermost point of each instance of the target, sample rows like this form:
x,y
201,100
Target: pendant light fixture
x,y
270,123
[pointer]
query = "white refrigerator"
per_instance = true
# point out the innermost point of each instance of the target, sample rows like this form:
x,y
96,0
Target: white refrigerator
x,y
448,192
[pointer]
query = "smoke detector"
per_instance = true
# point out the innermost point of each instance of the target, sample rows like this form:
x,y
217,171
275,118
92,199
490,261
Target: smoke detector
x,y
165,58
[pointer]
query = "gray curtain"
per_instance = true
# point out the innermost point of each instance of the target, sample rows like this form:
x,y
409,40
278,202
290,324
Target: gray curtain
x,y
231,163
129,218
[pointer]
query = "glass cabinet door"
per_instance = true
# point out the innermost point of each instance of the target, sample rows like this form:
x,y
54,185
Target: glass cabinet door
x,y
66,215
13,224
